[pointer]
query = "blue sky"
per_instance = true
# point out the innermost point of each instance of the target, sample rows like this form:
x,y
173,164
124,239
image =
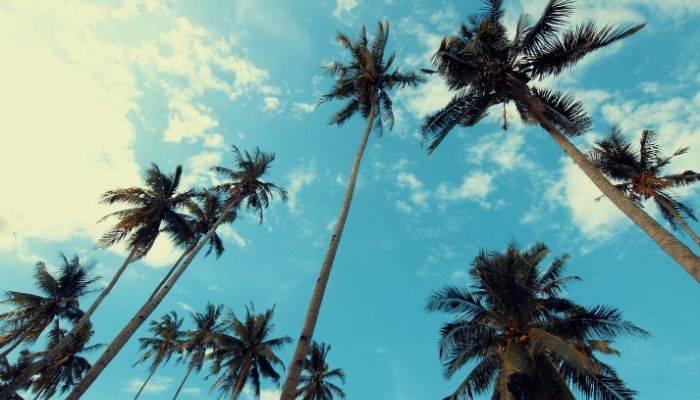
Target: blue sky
x,y
92,93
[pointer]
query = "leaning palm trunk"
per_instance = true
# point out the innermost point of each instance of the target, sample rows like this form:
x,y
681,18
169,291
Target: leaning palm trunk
x,y
240,383
172,269
60,348
187,375
307,332
145,311
148,378
679,218
669,243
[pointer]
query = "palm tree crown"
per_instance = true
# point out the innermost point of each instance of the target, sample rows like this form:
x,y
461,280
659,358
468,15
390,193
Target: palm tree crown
x,y
487,67
164,341
201,340
364,82
247,353
527,340
67,371
154,205
244,185
59,299
315,382
639,173
203,216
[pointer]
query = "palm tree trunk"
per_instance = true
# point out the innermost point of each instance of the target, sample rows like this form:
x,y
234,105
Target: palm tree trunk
x,y
678,217
35,367
179,388
172,269
148,378
290,385
128,331
669,243
240,384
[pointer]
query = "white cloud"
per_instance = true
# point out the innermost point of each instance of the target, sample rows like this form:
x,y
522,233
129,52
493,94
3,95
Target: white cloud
x,y
192,390
197,170
215,141
417,195
476,186
271,103
426,98
228,232
157,384
298,178
300,109
185,306
576,193
504,149
343,9
188,121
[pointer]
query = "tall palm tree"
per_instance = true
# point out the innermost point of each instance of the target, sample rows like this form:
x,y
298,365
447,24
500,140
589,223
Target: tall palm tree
x,y
200,341
315,382
164,342
155,210
68,369
243,186
363,84
247,354
639,175
488,68
525,338
59,299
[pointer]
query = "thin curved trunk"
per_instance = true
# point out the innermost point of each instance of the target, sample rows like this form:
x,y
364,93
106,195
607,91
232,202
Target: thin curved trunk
x,y
179,388
669,243
679,218
172,269
148,378
32,370
130,328
290,385
240,384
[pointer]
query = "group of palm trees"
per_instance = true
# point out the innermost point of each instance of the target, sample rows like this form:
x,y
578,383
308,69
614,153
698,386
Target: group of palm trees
x,y
527,340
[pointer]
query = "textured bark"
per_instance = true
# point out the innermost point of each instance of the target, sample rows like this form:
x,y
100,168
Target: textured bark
x,y
130,328
148,378
681,221
669,243
290,385
240,384
179,388
34,368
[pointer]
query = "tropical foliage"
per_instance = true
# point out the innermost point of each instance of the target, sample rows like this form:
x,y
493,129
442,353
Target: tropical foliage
x,y
525,338
316,382
638,173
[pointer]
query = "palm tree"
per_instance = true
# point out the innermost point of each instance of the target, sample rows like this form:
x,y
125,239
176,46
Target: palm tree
x,y
69,368
363,84
315,382
202,340
59,299
164,342
155,210
526,340
486,68
242,187
247,354
639,175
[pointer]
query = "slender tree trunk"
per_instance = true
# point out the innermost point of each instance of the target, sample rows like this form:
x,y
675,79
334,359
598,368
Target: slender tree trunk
x,y
240,384
669,243
128,331
179,388
35,367
172,269
148,378
678,217
290,385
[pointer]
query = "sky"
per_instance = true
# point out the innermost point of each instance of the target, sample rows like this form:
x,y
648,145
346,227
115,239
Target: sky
x,y
94,92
